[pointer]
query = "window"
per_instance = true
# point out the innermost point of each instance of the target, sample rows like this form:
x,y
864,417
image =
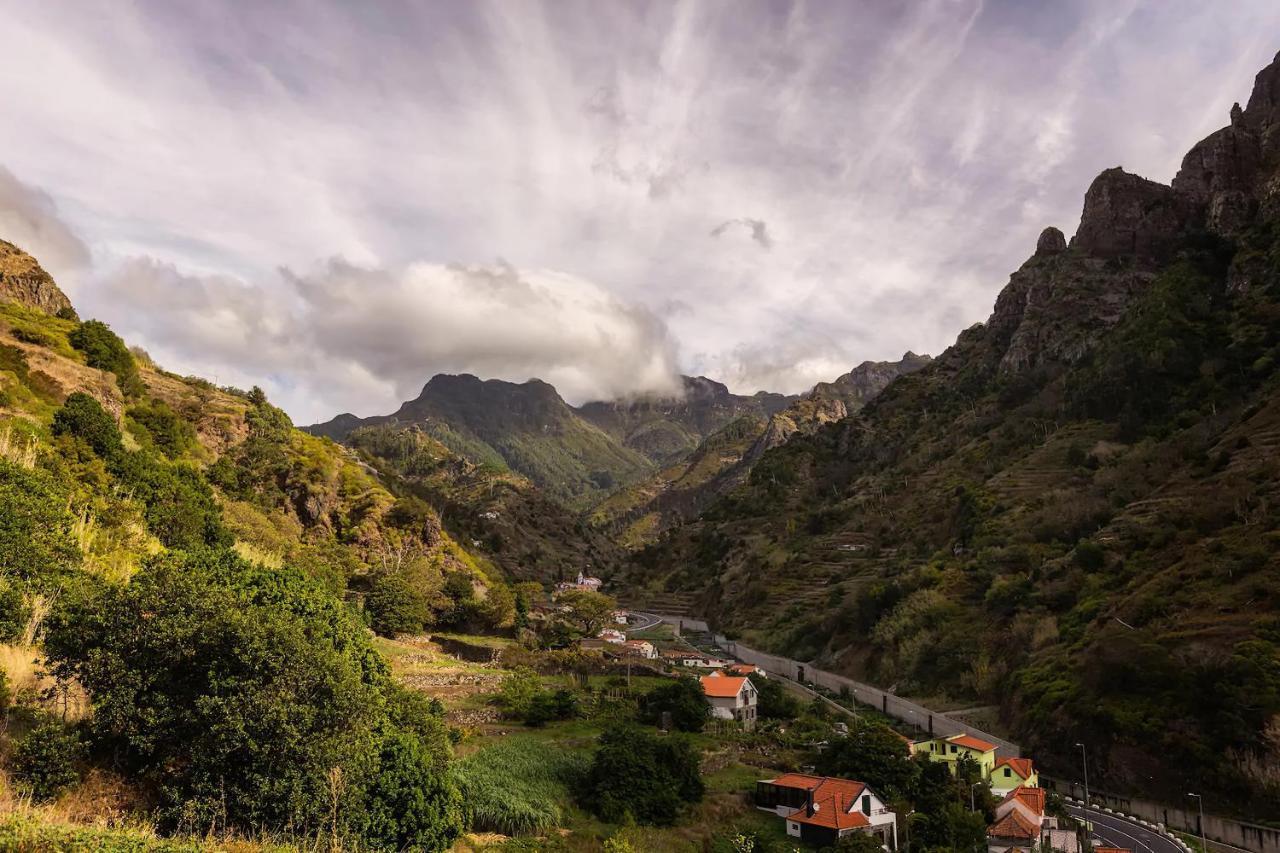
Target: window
x,y
953,749
1006,773
866,804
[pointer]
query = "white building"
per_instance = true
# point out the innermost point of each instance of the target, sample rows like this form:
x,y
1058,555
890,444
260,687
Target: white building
x,y
821,810
731,698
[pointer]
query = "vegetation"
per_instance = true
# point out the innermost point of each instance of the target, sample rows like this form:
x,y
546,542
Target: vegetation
x,y
104,350
641,777
519,786
682,701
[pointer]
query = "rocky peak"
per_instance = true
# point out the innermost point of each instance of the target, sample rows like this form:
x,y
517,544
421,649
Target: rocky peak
x,y
23,280
1051,242
1262,113
1129,216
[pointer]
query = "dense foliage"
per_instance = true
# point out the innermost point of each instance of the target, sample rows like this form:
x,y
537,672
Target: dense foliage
x,y
105,350
641,776
519,786
682,702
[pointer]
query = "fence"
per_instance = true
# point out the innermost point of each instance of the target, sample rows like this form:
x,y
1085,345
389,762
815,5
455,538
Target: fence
x,y
936,724
1228,833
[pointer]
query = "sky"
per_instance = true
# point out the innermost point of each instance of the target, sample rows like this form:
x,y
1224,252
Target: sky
x,y
336,200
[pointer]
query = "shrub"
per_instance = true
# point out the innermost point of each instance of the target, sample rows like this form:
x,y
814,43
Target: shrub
x,y
774,702
104,350
394,606
33,336
180,508
637,775
170,434
36,542
46,761
872,753
68,313
412,803
13,612
83,417
683,699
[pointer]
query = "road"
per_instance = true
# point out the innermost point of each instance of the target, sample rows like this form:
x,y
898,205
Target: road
x,y
648,620
1114,831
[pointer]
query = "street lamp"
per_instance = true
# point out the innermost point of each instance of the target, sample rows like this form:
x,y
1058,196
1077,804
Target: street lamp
x,y
971,787
1204,843
1084,757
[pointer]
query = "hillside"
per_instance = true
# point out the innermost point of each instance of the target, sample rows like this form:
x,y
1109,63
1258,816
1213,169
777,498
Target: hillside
x,y
668,429
1073,512
638,514
525,427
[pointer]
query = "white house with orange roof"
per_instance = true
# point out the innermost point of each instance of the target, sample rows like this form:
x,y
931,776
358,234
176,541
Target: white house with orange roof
x,y
744,669
1021,823
1010,773
643,648
731,697
821,810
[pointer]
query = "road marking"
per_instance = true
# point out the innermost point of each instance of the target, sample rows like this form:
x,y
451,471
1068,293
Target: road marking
x,y
1102,821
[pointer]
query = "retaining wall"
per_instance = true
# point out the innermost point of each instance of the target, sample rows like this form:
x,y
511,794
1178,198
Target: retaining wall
x,y
938,725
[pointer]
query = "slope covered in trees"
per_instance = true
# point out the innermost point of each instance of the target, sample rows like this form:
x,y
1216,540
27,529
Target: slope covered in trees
x,y
1073,512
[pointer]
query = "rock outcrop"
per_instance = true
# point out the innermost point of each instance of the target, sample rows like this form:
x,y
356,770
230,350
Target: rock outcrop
x,y
1051,242
23,280
1127,216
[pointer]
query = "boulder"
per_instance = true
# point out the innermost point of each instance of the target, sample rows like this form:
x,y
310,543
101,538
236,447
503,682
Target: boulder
x,y
1051,242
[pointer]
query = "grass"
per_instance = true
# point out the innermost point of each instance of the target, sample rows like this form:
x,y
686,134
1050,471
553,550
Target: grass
x,y
519,785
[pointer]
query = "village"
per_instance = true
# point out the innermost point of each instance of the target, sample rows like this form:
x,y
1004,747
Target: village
x,y
753,722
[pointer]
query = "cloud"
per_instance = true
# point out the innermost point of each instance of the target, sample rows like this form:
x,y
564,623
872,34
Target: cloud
x,y
903,155
758,229
343,336
30,220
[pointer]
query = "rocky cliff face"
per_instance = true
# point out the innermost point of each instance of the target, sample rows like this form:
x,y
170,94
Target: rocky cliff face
x,y
23,280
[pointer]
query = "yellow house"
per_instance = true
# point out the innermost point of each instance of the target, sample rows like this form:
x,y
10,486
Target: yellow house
x,y
953,748
1011,773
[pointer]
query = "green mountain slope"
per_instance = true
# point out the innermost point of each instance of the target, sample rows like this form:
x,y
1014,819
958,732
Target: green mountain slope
x,y
1074,512
638,514
525,427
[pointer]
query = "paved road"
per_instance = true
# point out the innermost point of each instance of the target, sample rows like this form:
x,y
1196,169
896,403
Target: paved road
x,y
1114,831
648,620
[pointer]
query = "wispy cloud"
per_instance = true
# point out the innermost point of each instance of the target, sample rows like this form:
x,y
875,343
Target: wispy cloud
x,y
904,157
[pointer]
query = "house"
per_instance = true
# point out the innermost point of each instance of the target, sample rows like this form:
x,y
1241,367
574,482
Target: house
x,y
744,669
682,657
1021,823
611,635
1010,773
731,697
643,648
620,617
820,810
952,749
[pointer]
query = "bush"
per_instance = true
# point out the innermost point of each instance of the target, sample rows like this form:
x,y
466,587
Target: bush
x,y
83,417
46,761
180,508
412,803
36,542
637,775
395,607
233,692
774,702
872,753
13,612
33,336
683,699
104,350
170,434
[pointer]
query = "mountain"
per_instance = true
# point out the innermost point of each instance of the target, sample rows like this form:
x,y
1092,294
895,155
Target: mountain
x,y
638,514
524,427
1073,513
24,281
666,429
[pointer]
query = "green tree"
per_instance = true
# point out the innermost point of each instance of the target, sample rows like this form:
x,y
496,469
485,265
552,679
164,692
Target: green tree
x,y
872,753
683,699
83,417
233,692
774,702
637,775
47,760
411,804
587,612
170,434
858,842
104,350
394,606
36,541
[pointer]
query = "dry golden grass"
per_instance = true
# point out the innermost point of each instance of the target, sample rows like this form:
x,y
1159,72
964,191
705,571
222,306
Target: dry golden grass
x,y
28,683
254,554
18,448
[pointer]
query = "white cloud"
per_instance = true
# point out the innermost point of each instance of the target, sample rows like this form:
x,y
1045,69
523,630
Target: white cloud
x,y
29,219
903,156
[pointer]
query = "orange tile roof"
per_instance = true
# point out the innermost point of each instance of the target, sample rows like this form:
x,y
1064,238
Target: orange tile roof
x,y
832,813
971,742
722,686
1013,825
1021,766
1032,798
744,668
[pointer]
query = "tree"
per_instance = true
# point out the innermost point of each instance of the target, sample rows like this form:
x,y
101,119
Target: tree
x,y
242,697
498,609
683,699
586,611
104,350
638,775
83,417
872,753
36,541
774,702
412,804
170,434
394,606
47,760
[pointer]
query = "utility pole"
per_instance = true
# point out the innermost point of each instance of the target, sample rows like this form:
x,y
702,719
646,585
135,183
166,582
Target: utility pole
x,y
907,826
1204,842
971,787
1084,757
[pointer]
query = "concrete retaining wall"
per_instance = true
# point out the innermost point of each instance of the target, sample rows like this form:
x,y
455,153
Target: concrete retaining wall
x,y
938,725
1228,833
